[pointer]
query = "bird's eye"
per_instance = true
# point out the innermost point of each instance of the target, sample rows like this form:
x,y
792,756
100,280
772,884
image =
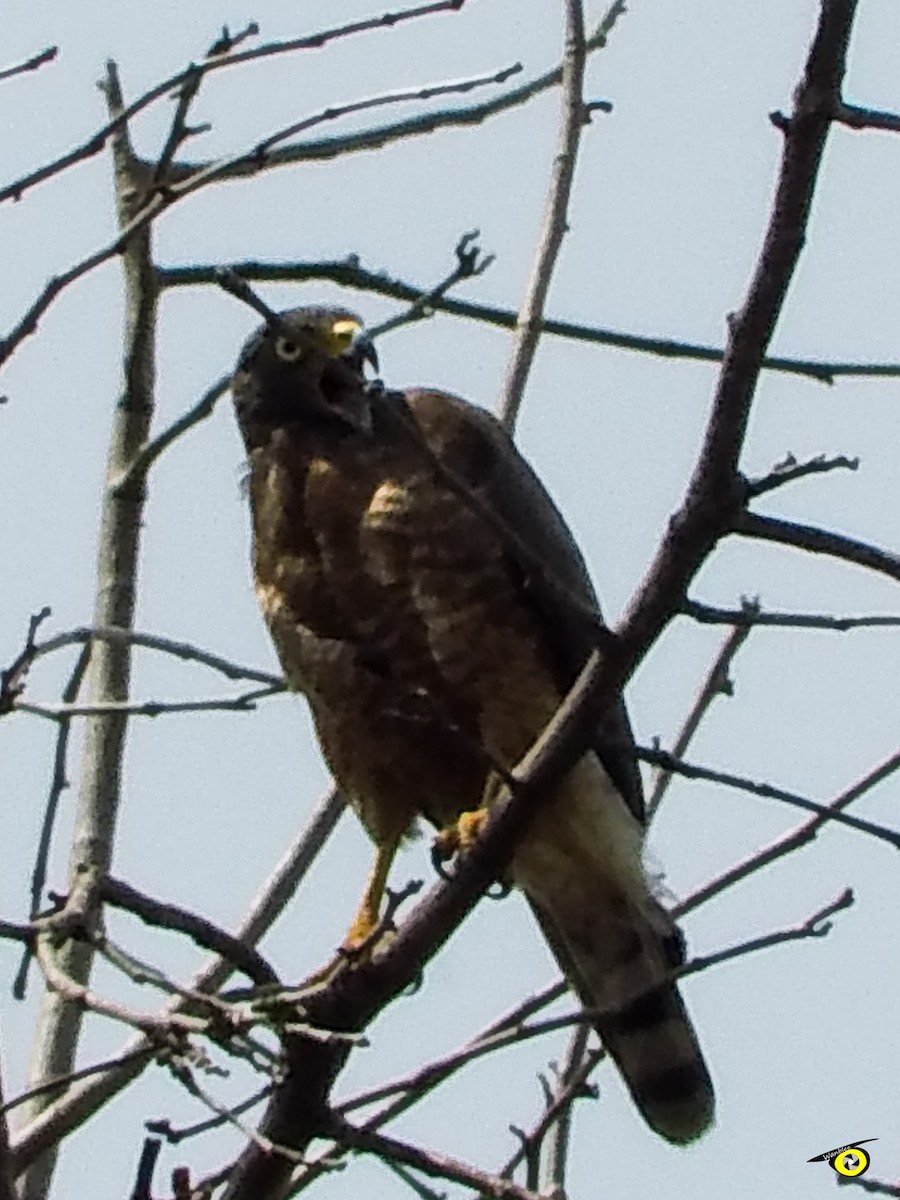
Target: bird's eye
x,y
287,350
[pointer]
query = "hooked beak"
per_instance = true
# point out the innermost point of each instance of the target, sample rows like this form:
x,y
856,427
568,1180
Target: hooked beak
x,y
361,351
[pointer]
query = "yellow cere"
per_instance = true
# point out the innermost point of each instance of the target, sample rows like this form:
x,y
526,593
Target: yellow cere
x,y
342,334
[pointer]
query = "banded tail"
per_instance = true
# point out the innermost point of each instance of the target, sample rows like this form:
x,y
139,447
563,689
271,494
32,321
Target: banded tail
x,y
621,967
580,867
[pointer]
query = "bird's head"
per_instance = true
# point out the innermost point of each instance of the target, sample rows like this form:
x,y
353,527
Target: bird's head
x,y
304,365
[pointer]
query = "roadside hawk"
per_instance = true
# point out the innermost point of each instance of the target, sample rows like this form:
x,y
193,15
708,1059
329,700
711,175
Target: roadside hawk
x,y
432,649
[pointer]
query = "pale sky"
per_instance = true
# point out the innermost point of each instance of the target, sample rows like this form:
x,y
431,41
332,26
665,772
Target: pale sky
x,y
670,204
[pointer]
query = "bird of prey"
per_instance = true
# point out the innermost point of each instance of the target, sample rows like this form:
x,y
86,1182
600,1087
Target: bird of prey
x,y
413,572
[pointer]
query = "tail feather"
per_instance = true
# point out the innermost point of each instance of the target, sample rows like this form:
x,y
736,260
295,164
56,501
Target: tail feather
x,y
622,971
580,866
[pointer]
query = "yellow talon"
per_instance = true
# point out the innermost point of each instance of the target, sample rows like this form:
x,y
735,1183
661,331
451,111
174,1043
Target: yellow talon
x,y
469,826
461,835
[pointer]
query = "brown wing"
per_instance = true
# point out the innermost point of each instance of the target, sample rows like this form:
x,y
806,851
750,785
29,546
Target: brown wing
x,y
503,643
476,447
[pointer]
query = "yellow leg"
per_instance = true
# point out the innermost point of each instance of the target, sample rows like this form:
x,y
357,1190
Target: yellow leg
x,y
366,920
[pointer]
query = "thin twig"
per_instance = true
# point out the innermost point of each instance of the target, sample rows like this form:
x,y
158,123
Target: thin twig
x,y
259,155
143,1183
818,925
327,148
58,785
470,262
179,132
30,64
153,708
800,836
818,541
717,683
856,117
557,1151
155,203
412,1088
174,1136
315,41
86,1096
148,454
429,1162
751,614
184,650
559,1103
12,678
789,470
185,1076
201,931
554,225
768,791
63,1081
422,1190
349,273
81,997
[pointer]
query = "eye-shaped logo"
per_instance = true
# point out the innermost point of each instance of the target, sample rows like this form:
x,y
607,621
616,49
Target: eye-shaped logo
x,y
847,1160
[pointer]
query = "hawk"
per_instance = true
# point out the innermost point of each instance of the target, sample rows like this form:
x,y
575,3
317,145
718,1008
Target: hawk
x,y
413,573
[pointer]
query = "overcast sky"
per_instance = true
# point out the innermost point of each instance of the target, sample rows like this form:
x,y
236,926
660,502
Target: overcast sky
x,y
670,204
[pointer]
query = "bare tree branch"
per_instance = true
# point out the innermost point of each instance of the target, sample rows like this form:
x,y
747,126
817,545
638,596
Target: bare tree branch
x,y
768,791
57,1033
789,470
856,117
349,273
153,203
58,785
200,930
260,156
572,122
751,614
470,262
27,325
429,1162
321,149
246,702
148,454
30,64
86,1096
818,925
717,683
12,678
143,1182
62,1081
802,835
557,1152
7,1179
174,83
559,1103
818,541
80,997
184,650
174,1136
